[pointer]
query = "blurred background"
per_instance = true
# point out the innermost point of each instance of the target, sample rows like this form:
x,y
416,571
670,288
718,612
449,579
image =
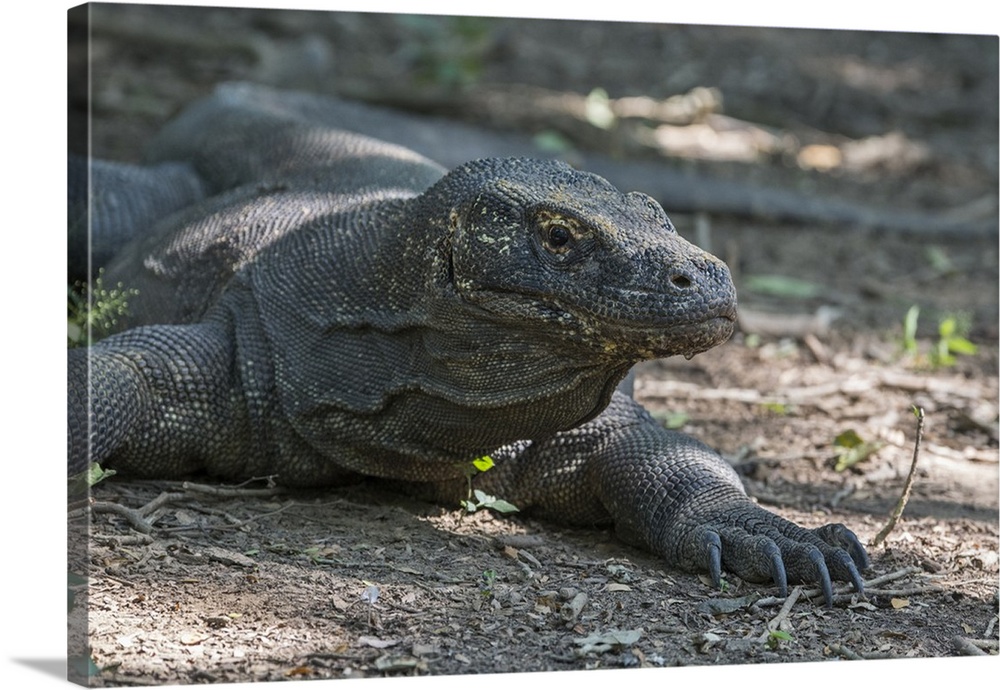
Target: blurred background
x,y
783,143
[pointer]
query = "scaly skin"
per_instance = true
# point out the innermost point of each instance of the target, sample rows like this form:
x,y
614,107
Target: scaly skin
x,y
338,305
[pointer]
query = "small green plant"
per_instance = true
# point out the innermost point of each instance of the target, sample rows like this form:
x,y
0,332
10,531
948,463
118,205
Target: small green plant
x,y
707,581
471,469
910,330
952,340
852,449
776,637
776,408
93,313
672,420
80,483
676,420
482,499
489,579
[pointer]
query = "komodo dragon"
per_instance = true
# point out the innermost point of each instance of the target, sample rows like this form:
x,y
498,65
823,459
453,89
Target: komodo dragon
x,y
337,305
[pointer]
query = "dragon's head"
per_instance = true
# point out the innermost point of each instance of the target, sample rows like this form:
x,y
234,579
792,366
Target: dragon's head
x,y
543,248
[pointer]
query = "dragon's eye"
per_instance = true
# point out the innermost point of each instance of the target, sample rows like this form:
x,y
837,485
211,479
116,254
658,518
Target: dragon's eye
x,y
557,236
564,239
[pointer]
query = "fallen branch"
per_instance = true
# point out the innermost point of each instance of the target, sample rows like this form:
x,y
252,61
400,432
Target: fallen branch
x,y
895,575
843,597
907,486
126,540
160,501
234,522
850,654
134,517
846,652
775,623
845,593
142,519
232,491
904,591
966,646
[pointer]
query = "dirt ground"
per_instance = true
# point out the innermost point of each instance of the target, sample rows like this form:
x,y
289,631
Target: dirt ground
x,y
202,583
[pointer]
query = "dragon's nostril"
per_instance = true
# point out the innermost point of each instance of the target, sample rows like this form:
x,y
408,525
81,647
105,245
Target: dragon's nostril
x,y
680,280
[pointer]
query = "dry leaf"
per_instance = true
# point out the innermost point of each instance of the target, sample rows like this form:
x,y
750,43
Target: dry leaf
x,y
192,637
900,603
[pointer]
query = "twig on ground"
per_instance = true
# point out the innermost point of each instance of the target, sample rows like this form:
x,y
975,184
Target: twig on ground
x,y
845,652
160,501
232,491
143,518
108,576
775,623
967,646
908,485
845,593
234,522
126,540
904,591
134,517
889,577
850,654
813,593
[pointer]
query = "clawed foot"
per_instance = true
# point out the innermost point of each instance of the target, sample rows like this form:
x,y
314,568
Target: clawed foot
x,y
759,547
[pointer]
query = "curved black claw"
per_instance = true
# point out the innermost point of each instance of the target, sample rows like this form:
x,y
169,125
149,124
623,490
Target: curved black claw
x,y
838,535
778,574
753,557
843,567
758,559
822,575
848,557
713,553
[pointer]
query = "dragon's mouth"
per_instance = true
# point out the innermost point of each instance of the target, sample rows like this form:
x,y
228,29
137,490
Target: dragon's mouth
x,y
622,308
675,321
687,339
616,324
